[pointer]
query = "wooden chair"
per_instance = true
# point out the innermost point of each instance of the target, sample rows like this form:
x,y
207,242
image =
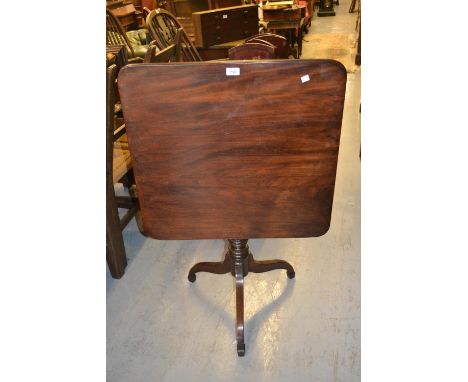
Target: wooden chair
x,y
169,54
115,35
352,6
163,28
219,158
283,49
118,169
146,11
252,51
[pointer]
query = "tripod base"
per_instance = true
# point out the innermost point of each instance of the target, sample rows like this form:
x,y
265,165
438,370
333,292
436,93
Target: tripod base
x,y
239,261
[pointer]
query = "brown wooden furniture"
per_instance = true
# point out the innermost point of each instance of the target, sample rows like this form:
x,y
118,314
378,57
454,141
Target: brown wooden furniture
x,y
288,21
164,27
183,9
357,60
352,6
118,168
253,51
221,51
280,42
309,7
226,154
226,24
146,12
120,55
124,10
115,35
150,4
169,54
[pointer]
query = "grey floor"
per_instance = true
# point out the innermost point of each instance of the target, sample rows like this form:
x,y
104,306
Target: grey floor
x,y
160,327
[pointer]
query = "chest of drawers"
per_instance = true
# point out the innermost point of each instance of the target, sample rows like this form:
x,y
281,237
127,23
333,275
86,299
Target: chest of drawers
x,y
226,24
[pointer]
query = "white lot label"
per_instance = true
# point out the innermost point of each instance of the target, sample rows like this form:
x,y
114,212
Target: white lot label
x,y
224,16
305,78
232,71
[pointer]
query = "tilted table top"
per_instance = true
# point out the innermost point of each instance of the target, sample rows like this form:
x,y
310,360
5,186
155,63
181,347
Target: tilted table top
x,y
247,155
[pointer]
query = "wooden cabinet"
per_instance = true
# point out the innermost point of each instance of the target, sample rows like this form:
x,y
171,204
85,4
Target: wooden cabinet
x,y
126,13
223,25
185,8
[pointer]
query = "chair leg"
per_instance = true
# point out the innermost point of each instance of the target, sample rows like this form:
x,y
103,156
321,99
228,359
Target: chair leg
x,y
115,248
134,194
239,261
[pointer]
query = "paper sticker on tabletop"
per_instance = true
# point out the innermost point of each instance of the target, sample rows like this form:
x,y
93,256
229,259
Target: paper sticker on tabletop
x,y
232,71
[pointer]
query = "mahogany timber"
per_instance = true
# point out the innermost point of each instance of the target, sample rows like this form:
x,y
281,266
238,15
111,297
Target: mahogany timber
x,y
253,51
244,156
239,261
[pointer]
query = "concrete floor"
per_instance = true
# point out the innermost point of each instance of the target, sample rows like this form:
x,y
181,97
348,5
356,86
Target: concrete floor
x,y
160,327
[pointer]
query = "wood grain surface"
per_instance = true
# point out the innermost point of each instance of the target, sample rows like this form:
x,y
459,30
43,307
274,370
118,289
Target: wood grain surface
x,y
247,156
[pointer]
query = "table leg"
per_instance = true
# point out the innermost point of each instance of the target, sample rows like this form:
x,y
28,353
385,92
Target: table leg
x,y
239,261
240,310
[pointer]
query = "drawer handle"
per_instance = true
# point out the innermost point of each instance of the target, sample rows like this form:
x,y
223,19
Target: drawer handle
x,y
246,11
218,27
218,38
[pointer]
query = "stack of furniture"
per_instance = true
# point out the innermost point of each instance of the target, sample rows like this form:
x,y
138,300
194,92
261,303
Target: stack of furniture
x,y
168,35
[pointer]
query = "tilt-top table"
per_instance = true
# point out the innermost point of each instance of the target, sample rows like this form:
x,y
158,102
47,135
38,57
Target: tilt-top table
x,y
234,150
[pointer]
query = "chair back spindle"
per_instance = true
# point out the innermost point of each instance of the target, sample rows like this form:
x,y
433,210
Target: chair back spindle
x,y
115,35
